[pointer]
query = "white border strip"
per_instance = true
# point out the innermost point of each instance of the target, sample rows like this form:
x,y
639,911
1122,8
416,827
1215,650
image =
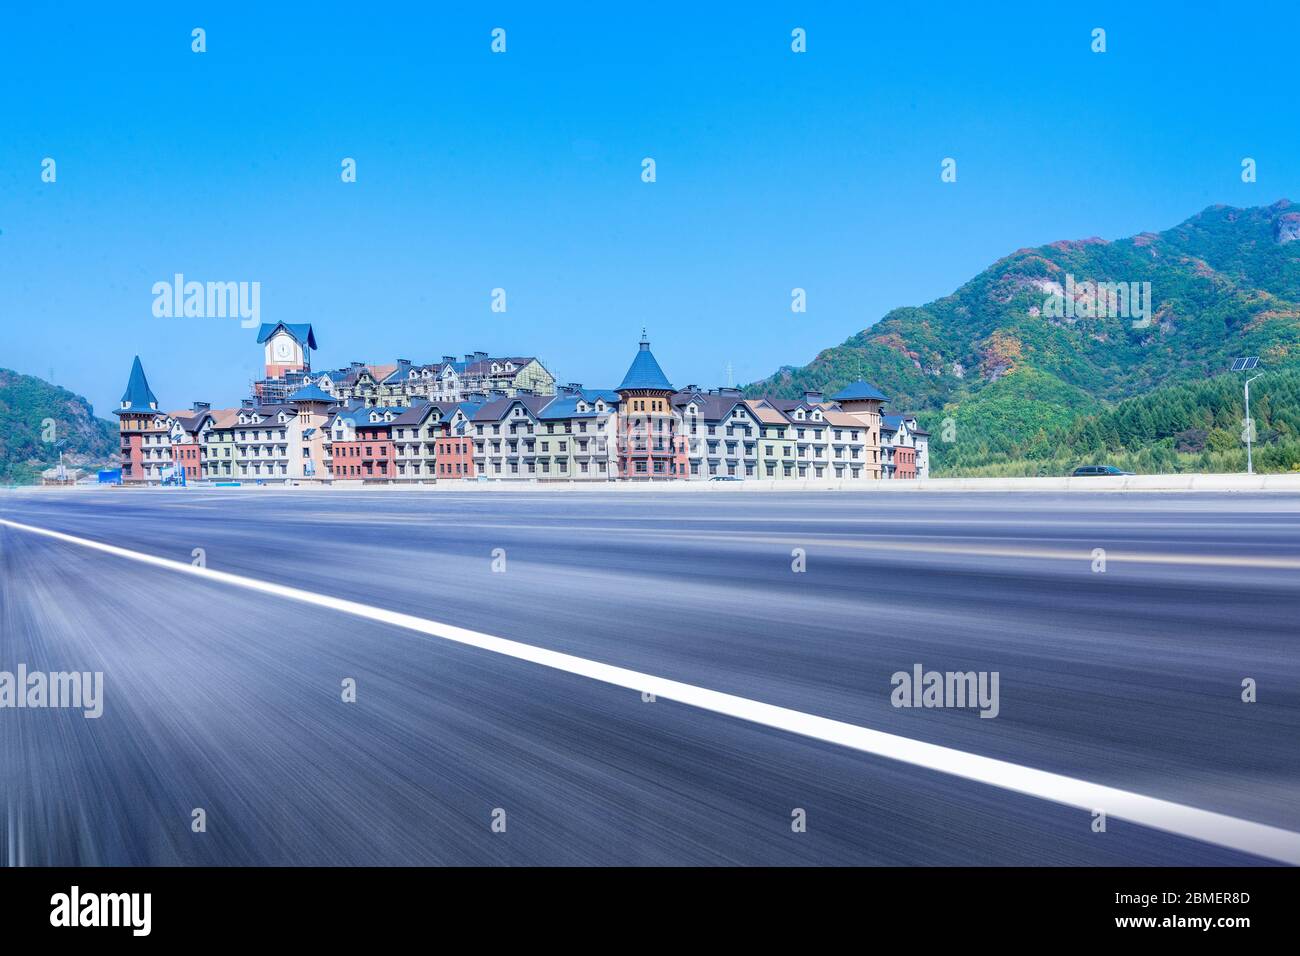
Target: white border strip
x,y
1246,836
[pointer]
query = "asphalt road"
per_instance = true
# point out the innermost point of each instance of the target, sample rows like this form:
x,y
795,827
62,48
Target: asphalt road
x,y
227,699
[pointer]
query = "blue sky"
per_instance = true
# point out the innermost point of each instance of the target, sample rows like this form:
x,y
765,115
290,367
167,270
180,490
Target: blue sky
x,y
522,171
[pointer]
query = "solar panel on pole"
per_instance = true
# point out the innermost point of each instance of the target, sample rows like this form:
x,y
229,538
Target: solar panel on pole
x,y
1245,364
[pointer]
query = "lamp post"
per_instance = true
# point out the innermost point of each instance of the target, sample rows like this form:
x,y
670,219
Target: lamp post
x,y
1245,365
1250,428
62,472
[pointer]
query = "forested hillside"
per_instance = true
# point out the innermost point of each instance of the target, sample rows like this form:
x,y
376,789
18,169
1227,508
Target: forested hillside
x,y
38,419
1194,427
1000,359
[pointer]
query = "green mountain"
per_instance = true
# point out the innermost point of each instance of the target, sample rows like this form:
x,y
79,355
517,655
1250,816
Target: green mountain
x,y
1196,427
1014,358
38,420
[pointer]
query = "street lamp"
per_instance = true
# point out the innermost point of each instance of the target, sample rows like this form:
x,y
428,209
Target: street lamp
x,y
1245,365
62,472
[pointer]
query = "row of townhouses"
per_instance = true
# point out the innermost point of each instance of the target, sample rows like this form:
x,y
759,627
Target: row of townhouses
x,y
487,418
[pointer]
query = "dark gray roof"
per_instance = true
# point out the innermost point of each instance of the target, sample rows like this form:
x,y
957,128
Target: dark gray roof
x,y
495,410
567,407
481,367
712,407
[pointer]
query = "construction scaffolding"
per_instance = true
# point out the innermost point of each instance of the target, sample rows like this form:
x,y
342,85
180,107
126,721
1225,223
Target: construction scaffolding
x,y
275,391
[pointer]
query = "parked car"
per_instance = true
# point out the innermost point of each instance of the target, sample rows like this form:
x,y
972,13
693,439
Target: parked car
x,y
724,478
1093,471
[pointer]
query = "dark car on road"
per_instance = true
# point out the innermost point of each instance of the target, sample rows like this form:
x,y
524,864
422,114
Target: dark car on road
x,y
1092,471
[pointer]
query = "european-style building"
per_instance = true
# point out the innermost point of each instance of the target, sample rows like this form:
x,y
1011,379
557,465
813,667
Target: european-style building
x,y
143,430
505,418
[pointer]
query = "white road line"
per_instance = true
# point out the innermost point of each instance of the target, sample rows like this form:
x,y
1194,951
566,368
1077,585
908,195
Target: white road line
x,y
867,542
1271,842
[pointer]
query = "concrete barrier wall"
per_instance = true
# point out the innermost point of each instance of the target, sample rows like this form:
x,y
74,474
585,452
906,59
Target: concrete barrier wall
x,y
1285,483
1135,483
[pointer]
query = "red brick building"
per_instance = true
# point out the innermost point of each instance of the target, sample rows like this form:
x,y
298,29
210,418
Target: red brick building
x,y
904,462
144,436
187,447
455,454
362,444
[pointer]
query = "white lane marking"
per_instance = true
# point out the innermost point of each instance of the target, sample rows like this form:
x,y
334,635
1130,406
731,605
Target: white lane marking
x,y
870,543
1260,839
1057,554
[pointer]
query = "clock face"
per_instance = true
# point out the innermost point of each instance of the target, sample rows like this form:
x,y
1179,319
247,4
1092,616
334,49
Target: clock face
x,y
283,349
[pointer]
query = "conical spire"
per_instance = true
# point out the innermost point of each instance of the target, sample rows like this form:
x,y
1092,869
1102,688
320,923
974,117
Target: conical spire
x,y
644,372
138,397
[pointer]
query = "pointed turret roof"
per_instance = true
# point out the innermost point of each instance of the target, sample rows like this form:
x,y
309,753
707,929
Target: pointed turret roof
x,y
859,391
644,372
302,332
138,397
311,393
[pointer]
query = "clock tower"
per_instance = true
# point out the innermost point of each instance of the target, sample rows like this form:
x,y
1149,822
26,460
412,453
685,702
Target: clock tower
x,y
287,348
